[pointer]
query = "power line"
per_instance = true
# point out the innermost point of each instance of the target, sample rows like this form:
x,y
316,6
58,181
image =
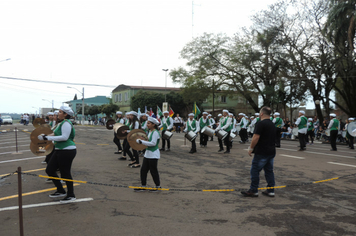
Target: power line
x,y
57,82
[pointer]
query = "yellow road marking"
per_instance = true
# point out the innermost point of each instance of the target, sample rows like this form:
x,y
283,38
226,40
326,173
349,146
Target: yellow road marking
x,y
80,143
34,192
26,132
71,180
27,171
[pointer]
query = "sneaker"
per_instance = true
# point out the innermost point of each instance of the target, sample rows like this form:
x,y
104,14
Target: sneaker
x,y
57,194
68,199
157,189
249,193
119,152
269,194
140,189
122,158
220,150
48,181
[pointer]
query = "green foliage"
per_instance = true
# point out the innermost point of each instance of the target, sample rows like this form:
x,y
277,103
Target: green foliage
x,y
109,109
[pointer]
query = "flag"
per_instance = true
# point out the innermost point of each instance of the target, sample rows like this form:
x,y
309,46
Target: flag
x,y
145,109
151,112
139,113
159,112
171,112
196,110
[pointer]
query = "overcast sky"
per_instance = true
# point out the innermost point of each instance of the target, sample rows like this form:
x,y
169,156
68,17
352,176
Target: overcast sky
x,y
101,42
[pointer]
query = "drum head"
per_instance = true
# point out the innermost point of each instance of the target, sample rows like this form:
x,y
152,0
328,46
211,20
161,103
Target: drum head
x,y
351,127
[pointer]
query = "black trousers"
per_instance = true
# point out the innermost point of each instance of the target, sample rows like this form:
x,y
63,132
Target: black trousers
x,y
333,136
194,146
227,141
301,138
62,160
117,142
351,142
164,141
243,135
310,134
203,139
220,144
149,165
278,137
48,157
133,157
124,144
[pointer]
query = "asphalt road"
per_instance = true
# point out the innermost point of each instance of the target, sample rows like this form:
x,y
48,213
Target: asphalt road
x,y
327,208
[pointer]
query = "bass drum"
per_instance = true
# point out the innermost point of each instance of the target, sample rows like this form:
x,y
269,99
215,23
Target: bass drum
x,y
208,131
221,134
191,136
351,128
167,135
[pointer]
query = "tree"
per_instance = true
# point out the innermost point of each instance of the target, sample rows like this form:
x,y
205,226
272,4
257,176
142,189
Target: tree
x,y
109,109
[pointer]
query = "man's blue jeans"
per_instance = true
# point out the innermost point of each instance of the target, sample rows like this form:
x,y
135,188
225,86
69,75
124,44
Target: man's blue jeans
x,y
260,162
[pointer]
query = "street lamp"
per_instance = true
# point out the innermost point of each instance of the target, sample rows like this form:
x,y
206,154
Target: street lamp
x,y
82,102
49,102
8,59
165,86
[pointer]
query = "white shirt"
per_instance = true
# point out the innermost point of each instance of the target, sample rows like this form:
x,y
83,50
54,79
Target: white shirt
x,y
245,123
66,130
204,121
331,124
228,123
120,120
164,121
136,126
212,122
189,123
303,130
177,120
149,154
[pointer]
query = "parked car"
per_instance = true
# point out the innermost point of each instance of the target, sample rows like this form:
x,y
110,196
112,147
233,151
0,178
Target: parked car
x,y
6,120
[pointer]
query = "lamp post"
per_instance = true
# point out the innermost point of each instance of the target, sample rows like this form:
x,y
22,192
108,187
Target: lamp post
x,y
8,59
165,86
50,102
82,102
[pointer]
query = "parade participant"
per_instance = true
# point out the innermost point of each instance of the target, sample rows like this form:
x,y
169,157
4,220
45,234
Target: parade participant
x,y
192,126
310,132
334,126
225,124
167,124
243,130
203,121
250,134
212,125
220,120
119,119
127,123
257,118
233,126
263,145
65,151
152,155
133,124
50,118
278,122
301,123
349,137
178,123
143,121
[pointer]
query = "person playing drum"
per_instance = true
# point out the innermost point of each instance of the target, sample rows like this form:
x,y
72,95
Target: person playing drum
x,y
301,123
225,124
119,119
349,137
193,126
203,122
334,127
167,125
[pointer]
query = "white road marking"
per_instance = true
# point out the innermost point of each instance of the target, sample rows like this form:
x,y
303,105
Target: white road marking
x,y
313,147
44,204
22,159
18,141
340,164
14,146
9,138
319,153
292,156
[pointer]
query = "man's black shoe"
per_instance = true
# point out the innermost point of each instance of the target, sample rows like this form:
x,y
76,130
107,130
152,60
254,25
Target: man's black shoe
x,y
220,150
249,193
269,194
192,151
162,149
227,152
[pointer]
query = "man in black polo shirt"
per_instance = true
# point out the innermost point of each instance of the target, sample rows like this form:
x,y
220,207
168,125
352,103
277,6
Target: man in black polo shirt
x,y
263,144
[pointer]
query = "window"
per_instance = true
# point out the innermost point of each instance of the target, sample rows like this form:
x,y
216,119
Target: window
x,y
120,97
125,96
223,99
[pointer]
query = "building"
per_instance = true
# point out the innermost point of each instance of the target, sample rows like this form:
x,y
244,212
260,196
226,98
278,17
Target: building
x,y
122,94
94,101
235,103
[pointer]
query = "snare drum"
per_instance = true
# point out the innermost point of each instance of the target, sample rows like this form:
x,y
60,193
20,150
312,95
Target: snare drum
x,y
221,134
167,135
191,136
208,131
327,132
295,132
232,136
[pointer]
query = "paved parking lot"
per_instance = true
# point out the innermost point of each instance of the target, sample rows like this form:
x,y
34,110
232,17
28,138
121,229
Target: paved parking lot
x,y
327,208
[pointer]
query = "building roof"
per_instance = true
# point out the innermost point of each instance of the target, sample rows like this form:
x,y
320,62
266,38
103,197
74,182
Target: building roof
x,y
96,99
125,87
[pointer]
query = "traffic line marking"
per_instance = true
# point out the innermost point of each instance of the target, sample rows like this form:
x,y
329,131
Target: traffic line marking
x,y
292,156
341,164
22,159
319,153
34,192
14,146
81,143
3,153
28,140
44,204
26,171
